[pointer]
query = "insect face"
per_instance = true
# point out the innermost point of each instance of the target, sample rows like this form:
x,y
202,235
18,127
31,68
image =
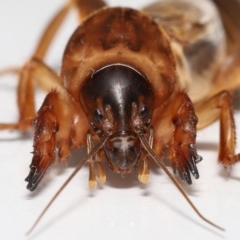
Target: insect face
x,y
118,98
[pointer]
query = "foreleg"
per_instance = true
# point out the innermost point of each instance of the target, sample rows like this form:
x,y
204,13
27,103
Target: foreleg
x,y
59,125
177,130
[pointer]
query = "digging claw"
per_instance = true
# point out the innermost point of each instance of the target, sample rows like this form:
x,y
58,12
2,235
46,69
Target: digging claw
x,y
36,174
186,163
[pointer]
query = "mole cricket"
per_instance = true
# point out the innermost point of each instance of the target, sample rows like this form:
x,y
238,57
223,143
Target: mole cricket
x,y
133,83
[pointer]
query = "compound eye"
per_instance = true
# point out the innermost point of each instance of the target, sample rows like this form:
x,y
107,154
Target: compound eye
x,y
98,116
144,112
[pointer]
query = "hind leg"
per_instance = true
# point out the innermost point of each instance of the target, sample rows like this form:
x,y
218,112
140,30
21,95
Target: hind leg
x,y
220,107
36,73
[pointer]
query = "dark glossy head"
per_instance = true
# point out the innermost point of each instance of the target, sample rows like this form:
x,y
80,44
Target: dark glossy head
x,y
115,98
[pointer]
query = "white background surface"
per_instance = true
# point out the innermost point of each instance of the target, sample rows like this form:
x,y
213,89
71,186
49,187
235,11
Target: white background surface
x,y
122,208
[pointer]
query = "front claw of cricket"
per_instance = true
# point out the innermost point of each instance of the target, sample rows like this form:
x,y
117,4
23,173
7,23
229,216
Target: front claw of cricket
x,y
38,168
185,162
44,145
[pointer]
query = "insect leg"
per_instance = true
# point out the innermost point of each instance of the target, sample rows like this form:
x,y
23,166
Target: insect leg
x,y
46,127
183,151
220,107
86,7
34,72
50,32
59,125
31,71
177,128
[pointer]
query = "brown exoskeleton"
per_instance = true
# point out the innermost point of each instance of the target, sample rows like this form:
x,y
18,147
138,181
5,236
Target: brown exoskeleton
x,y
134,82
